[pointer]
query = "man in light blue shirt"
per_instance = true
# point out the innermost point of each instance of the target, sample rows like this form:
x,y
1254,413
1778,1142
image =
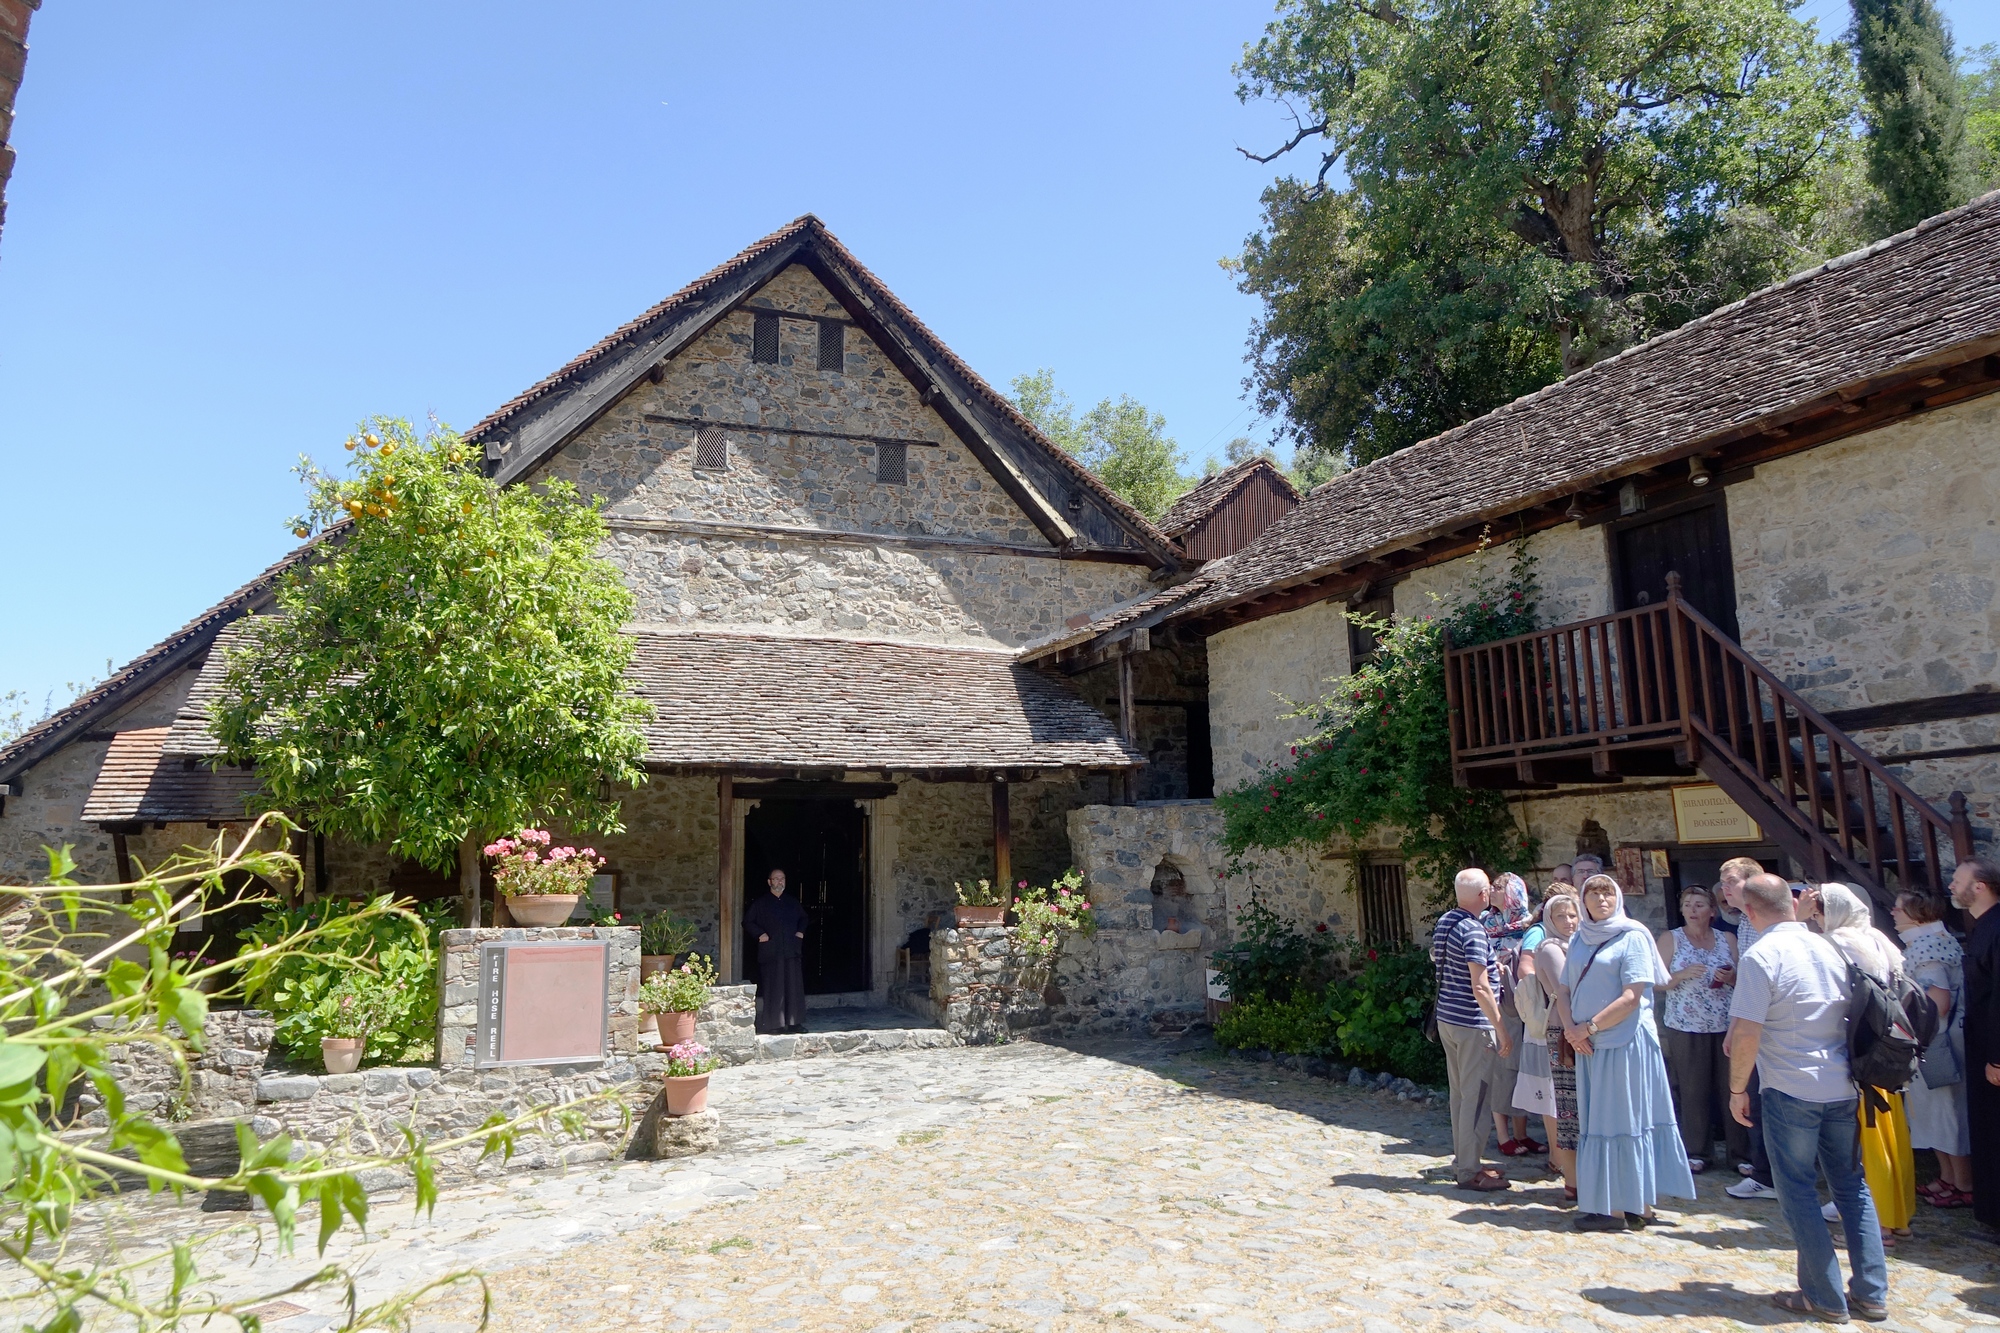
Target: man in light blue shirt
x,y
1788,1020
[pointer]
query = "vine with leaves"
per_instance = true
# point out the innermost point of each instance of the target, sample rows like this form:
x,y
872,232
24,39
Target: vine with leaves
x,y
1379,754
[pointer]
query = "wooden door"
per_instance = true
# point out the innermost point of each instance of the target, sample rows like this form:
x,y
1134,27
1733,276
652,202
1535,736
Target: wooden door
x,y
821,845
1690,540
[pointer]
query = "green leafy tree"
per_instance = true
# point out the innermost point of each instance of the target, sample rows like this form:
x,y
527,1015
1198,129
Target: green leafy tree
x,y
1126,445
1918,156
88,976
1379,756
449,666
1979,91
1530,185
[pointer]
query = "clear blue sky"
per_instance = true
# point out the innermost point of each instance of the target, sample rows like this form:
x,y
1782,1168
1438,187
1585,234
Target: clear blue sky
x,y
237,228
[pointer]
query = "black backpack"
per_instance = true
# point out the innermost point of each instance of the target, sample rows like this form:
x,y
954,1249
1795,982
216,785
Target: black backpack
x,y
1888,1027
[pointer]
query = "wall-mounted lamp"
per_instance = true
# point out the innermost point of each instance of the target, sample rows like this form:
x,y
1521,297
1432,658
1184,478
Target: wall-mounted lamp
x,y
1697,470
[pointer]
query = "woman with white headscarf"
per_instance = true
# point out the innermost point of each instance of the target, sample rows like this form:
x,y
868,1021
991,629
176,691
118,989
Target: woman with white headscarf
x,y
1629,1152
1886,1157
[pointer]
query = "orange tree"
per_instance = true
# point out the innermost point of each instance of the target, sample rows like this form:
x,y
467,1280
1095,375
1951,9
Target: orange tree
x,y
449,664
1379,755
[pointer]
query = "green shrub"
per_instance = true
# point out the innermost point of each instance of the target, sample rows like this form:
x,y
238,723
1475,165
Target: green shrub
x,y
1371,1015
399,952
1271,957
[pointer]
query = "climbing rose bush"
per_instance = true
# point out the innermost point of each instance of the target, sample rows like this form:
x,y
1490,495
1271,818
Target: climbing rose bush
x,y
525,864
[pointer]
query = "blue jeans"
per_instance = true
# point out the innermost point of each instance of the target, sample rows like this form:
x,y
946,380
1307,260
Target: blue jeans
x,y
1799,1136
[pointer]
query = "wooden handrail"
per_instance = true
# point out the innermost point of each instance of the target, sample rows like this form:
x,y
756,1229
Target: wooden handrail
x,y
1665,675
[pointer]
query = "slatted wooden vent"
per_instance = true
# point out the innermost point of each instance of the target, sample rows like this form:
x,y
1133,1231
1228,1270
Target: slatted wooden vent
x,y
1385,906
711,449
832,345
892,464
764,340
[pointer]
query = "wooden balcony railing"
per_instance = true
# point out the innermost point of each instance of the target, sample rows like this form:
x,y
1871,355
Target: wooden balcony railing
x,y
1659,689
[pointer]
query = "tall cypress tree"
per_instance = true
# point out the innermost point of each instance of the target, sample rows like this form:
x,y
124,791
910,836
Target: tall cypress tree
x,y
1917,152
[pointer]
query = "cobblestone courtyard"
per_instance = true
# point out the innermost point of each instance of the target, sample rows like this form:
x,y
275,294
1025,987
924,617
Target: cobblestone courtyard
x,y
1034,1187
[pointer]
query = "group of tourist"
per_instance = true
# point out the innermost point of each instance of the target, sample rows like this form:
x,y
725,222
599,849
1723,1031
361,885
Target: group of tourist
x,y
1641,1054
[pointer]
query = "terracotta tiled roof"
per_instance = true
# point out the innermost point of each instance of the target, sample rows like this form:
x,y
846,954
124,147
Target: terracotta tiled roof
x,y
729,698
809,231
184,645
138,784
1928,296
1211,493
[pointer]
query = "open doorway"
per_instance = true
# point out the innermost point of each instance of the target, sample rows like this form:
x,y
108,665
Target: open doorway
x,y
821,844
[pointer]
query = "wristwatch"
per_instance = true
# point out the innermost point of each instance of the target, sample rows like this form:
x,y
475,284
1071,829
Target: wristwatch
x,y
1591,1027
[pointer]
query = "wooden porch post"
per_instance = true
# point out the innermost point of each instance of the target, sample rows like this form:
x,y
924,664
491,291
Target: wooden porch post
x,y
1127,724
725,877
123,851
468,879
1003,849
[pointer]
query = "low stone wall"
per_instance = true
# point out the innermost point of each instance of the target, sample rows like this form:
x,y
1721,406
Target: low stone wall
x,y
221,1081
362,1113
979,988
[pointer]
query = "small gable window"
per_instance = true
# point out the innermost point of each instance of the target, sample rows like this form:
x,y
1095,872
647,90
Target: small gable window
x,y
892,464
832,345
711,449
764,339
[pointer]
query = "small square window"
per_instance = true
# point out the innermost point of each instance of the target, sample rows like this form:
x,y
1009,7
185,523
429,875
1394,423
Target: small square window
x,y
764,339
1361,643
832,345
892,464
711,449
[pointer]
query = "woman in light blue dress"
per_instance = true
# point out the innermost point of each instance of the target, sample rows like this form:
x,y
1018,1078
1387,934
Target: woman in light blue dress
x,y
1629,1150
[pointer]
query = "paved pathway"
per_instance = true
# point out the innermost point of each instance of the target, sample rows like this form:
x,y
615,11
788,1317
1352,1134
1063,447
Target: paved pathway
x,y
1033,1187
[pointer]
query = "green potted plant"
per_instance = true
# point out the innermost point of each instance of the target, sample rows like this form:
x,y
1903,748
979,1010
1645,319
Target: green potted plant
x,y
663,937
980,905
355,1006
688,1067
1046,917
541,883
674,996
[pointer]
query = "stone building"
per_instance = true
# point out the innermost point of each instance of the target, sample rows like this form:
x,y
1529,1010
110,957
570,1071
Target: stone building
x,y
838,536
1816,463
895,638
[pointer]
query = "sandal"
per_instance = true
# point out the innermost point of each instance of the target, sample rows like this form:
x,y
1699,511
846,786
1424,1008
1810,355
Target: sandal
x,y
1948,1197
1797,1302
1486,1182
1696,1165
1569,1194
1514,1148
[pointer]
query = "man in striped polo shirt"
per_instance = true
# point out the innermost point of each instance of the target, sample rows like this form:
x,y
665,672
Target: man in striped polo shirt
x,y
1469,1026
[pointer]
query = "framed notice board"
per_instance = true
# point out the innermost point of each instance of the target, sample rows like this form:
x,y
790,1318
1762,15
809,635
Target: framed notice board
x,y
545,1002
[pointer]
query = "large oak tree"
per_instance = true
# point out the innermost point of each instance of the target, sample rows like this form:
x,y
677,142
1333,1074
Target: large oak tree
x,y
1529,185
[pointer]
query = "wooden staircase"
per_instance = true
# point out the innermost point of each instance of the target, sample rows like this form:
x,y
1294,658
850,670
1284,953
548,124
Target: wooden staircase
x,y
1660,691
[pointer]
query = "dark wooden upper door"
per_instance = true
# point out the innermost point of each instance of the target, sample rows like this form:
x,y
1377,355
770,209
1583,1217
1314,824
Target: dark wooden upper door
x,y
1692,542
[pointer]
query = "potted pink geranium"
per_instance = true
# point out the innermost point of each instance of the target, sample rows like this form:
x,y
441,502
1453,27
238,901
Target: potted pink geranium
x,y
688,1066
541,883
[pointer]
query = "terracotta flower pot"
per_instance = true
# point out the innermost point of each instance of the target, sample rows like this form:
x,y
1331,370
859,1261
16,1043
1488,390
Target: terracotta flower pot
x,y
649,963
541,909
675,1026
995,915
341,1054
687,1094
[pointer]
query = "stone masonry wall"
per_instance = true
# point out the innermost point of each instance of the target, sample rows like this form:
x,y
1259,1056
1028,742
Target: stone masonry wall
x,y
685,573
1259,671
458,999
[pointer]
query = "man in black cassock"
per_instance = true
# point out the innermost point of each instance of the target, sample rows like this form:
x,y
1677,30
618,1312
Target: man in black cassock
x,y
1975,886
778,924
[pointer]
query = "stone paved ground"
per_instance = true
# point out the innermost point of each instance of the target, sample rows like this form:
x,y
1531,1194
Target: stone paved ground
x,y
1035,1187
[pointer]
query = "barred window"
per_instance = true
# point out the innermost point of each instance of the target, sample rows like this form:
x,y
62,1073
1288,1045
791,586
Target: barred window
x,y
892,464
764,339
711,449
1385,907
832,345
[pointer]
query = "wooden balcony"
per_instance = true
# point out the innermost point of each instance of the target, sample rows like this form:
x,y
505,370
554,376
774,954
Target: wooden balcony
x,y
1660,691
